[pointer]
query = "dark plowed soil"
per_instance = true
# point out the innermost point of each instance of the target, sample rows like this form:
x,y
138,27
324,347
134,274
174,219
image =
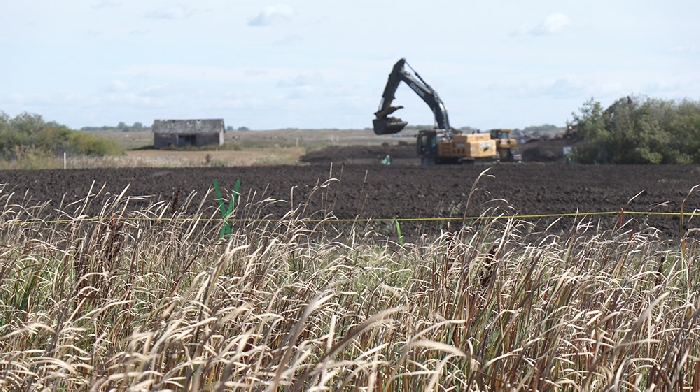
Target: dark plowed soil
x,y
387,191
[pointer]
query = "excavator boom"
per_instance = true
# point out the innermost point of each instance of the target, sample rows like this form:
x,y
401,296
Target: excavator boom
x,y
383,124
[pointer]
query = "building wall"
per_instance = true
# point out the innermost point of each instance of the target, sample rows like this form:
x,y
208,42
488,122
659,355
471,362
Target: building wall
x,y
163,140
205,139
181,133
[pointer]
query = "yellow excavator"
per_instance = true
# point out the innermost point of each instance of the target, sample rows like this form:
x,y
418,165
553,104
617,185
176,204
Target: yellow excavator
x,y
442,144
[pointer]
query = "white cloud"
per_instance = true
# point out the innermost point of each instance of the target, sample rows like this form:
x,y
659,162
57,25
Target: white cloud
x,y
304,79
52,98
288,40
662,86
563,87
178,12
157,90
552,24
255,72
301,92
203,73
611,88
117,85
682,49
106,3
272,14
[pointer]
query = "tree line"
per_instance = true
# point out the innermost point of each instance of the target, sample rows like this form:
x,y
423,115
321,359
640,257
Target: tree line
x,y
638,130
30,133
122,126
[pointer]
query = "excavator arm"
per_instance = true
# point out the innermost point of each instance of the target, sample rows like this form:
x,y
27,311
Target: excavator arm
x,y
383,124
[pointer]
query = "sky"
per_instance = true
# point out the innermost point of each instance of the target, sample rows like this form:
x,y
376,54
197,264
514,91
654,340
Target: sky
x,y
324,64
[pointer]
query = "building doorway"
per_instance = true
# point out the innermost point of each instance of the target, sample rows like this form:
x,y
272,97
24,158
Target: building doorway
x,y
186,140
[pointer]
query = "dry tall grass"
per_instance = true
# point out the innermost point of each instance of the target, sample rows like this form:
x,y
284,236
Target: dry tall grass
x,y
132,302
163,158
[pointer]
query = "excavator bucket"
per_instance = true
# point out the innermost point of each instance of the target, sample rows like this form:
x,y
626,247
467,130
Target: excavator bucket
x,y
388,125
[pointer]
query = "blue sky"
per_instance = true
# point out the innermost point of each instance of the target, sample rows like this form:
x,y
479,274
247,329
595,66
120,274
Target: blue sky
x,y
319,64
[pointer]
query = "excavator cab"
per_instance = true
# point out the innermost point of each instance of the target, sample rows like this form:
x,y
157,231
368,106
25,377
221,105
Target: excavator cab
x,y
500,134
427,143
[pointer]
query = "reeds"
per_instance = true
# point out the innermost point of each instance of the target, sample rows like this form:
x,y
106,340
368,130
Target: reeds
x,y
152,299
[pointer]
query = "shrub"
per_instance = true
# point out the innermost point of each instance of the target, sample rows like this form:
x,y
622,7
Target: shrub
x,y
29,133
639,130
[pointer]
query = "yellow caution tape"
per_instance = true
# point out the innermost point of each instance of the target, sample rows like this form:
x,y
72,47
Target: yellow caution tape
x,y
357,220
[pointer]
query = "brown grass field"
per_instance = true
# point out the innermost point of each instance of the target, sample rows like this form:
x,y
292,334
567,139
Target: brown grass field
x,y
223,158
155,298
109,287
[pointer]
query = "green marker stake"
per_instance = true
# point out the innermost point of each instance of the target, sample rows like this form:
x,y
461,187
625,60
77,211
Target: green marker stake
x,y
225,212
398,231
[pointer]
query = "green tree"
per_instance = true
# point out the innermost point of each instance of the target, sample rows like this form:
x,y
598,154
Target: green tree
x,y
638,130
29,132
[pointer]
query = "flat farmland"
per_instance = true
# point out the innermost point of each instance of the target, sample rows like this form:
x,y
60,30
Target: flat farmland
x,y
241,148
376,191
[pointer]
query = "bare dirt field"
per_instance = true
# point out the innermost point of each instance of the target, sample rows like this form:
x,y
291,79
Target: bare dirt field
x,y
377,191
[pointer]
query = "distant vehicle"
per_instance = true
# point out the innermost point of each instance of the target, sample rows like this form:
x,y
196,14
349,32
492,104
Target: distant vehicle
x,y
442,144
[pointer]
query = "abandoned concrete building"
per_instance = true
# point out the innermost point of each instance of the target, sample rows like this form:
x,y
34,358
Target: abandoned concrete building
x,y
183,133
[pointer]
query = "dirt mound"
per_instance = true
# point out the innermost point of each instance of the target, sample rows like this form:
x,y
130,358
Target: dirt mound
x,y
361,154
533,151
546,150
